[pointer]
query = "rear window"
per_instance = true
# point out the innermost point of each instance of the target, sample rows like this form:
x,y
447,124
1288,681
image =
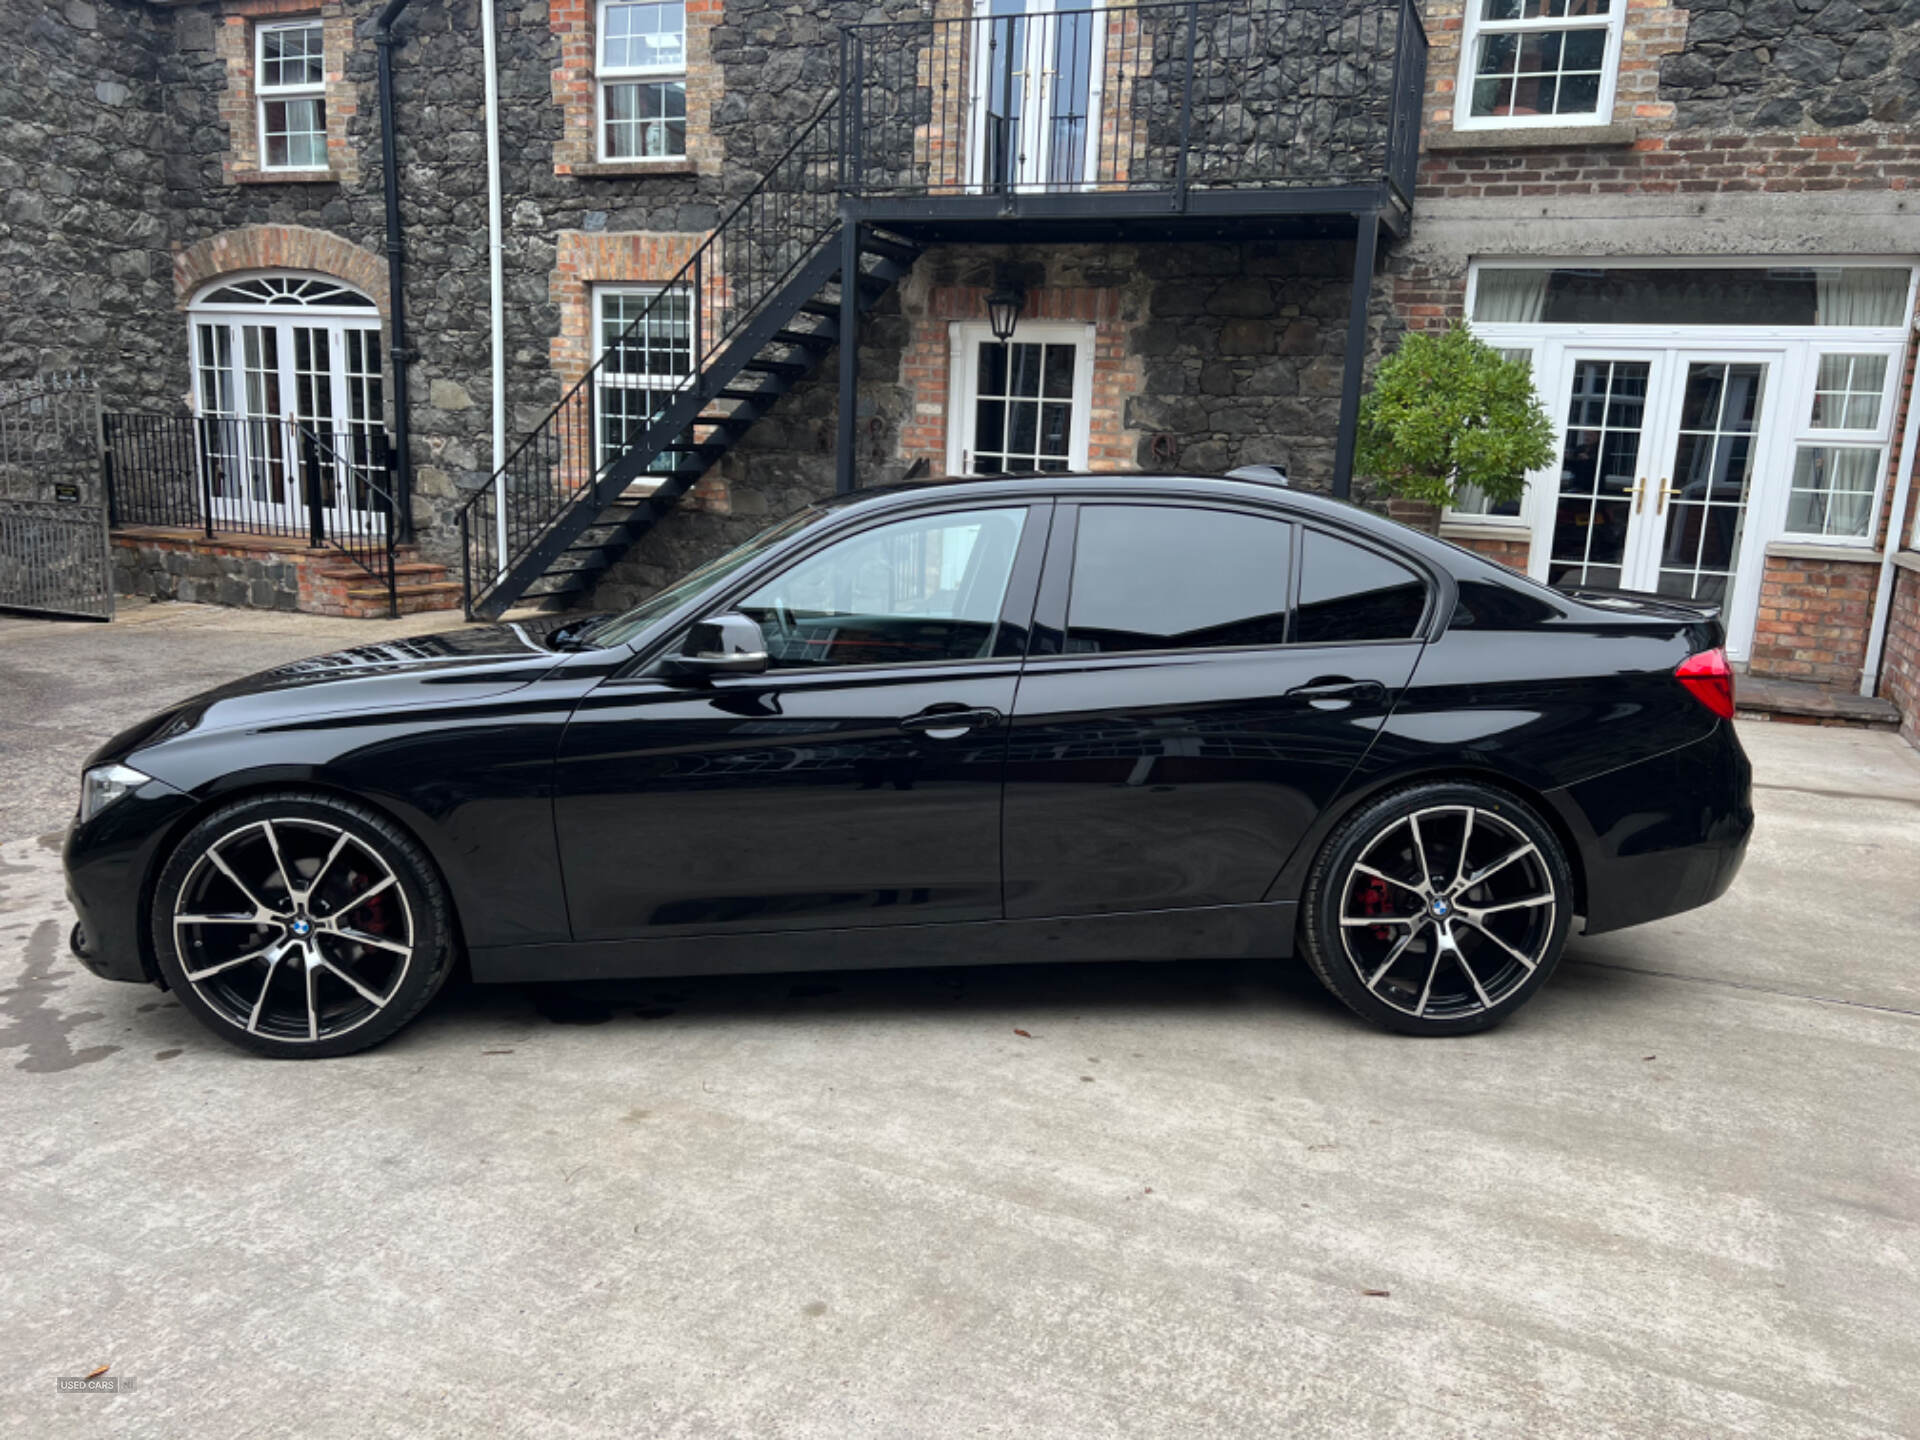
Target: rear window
x,y
1166,577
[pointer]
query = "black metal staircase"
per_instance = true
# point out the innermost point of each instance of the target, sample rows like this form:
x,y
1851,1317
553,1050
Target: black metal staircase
x,y
747,317
1192,119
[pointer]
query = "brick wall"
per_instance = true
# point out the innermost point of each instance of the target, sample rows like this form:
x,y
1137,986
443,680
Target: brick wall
x,y
278,247
234,44
1510,553
1683,164
927,365
1812,621
1900,672
576,92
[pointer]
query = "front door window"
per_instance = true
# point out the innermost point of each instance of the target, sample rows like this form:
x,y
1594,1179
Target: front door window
x,y
924,589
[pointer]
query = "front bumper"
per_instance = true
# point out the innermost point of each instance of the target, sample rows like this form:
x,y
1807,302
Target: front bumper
x,y
1662,835
109,861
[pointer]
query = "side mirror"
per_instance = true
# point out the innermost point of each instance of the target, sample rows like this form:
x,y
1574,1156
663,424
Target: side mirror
x,y
729,644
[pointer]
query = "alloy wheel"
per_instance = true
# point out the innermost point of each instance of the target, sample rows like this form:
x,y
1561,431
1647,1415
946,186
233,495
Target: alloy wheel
x,y
1447,912
293,929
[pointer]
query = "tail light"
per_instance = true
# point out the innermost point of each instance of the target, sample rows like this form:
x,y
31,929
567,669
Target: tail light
x,y
1709,679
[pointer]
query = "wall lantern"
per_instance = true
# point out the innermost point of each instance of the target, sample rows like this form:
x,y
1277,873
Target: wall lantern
x,y
1004,303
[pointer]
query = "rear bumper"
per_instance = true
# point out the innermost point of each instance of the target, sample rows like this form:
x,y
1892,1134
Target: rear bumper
x,y
1662,835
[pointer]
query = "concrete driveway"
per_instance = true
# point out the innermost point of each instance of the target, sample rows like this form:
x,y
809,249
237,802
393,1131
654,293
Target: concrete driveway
x,y
1679,1196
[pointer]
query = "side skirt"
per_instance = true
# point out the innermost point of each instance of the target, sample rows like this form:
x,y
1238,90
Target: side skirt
x,y
1214,932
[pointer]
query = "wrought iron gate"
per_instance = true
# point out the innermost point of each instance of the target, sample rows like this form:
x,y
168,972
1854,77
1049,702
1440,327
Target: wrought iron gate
x,y
54,557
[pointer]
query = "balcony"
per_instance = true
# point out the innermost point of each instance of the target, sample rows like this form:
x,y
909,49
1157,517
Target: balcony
x,y
1132,120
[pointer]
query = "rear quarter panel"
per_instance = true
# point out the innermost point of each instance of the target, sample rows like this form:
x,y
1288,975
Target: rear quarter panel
x,y
1537,706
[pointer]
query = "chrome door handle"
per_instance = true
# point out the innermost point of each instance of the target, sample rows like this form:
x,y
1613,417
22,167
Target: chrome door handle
x,y
949,724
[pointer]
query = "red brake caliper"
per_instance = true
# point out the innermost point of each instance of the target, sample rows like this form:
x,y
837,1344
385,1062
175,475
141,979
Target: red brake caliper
x,y
1374,900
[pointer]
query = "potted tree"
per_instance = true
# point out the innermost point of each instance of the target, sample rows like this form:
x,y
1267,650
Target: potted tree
x,y
1447,413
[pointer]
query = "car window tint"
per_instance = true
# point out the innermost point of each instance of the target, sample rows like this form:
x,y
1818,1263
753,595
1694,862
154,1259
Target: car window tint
x,y
1482,605
1348,592
1163,577
929,588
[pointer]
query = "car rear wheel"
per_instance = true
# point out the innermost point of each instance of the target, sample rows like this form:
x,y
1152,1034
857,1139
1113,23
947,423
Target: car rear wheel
x,y
1438,909
301,926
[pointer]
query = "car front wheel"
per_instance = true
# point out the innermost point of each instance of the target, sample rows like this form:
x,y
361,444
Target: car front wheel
x,y
1438,909
301,926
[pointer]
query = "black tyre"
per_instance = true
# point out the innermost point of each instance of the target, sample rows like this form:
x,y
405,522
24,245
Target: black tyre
x,y
1438,909
301,926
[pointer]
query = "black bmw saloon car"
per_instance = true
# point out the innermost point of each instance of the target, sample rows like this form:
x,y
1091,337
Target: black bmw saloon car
x,y
1040,718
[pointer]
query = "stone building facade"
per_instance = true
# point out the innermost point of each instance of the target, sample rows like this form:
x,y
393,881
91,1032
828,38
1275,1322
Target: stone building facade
x,y
1759,161
1569,195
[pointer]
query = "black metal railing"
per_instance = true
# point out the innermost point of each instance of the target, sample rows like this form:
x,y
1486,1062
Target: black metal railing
x,y
657,359
284,479
1159,97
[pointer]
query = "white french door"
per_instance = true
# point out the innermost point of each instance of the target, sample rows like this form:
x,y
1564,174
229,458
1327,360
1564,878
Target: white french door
x,y
291,413
1036,92
1663,451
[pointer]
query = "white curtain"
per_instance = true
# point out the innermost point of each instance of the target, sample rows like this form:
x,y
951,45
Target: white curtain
x,y
1510,297
1833,490
1859,296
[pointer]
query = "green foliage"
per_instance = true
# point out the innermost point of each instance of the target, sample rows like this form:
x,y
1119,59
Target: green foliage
x,y
1446,411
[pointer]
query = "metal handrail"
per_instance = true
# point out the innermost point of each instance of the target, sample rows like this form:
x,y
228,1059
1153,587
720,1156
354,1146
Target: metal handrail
x,y
1163,97
728,275
161,470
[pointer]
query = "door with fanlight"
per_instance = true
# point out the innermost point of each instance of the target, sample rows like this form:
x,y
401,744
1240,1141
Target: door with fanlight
x,y
288,392
1662,454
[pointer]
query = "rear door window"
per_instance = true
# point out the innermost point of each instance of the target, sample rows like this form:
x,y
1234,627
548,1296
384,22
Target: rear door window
x,y
1167,577
1348,592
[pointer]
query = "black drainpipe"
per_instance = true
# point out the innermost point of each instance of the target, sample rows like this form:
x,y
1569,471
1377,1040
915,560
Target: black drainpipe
x,y
397,347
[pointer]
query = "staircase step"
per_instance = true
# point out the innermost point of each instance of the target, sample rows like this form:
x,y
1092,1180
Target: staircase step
x,y
408,599
900,252
417,570
776,346
816,341
784,369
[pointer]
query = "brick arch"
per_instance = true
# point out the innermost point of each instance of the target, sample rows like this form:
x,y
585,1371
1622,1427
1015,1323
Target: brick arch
x,y
278,247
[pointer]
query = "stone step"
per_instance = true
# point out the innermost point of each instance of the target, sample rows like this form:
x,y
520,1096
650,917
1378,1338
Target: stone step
x,y
409,599
419,570
1798,703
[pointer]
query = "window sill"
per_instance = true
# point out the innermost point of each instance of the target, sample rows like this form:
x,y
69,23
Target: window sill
x,y
1814,550
283,177
1533,137
627,169
1470,529
1907,560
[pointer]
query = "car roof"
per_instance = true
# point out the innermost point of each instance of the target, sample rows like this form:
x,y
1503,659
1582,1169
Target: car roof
x,y
1109,483
1441,556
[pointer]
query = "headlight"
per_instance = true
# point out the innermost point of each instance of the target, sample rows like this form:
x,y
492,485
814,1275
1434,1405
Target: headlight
x,y
104,784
